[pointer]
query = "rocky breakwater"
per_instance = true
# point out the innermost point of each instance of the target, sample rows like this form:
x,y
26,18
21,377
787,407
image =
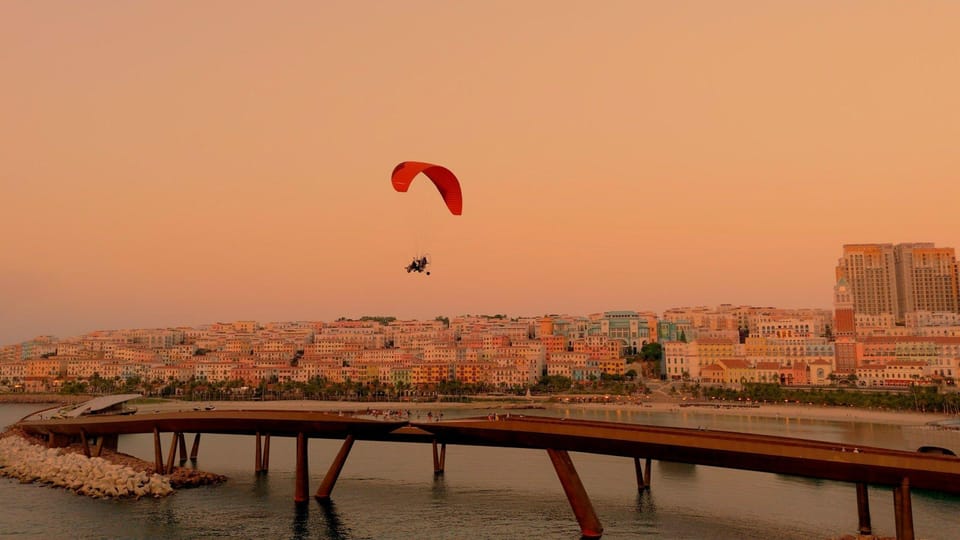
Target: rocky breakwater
x,y
112,476
94,477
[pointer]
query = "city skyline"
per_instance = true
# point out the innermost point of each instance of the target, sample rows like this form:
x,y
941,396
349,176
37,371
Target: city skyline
x,y
253,324
175,164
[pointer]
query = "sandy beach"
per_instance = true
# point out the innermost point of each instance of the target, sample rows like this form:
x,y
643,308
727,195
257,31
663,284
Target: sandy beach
x,y
531,407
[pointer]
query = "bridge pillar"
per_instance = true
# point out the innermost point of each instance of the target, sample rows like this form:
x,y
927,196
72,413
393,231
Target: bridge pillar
x,y
903,511
102,440
172,453
182,440
590,526
258,456
643,475
196,447
98,448
326,486
439,460
303,471
265,459
157,452
863,510
84,444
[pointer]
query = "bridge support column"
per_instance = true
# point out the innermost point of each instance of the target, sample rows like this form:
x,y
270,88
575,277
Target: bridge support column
x,y
182,440
172,454
98,448
303,471
157,452
84,444
643,475
590,526
903,511
863,510
326,487
196,447
265,459
258,456
439,460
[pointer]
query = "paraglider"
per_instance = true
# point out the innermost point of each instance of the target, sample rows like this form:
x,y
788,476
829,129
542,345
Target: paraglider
x,y
445,182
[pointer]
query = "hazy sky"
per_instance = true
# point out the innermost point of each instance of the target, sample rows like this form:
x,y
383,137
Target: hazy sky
x,y
175,163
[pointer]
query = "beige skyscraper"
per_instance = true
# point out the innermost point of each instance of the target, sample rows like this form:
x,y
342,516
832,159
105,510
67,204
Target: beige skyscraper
x,y
926,278
895,280
870,272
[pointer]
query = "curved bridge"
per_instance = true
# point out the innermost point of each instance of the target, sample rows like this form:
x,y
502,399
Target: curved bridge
x,y
814,459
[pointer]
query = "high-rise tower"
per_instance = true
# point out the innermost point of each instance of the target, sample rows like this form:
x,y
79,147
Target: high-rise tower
x,y
926,278
870,272
900,279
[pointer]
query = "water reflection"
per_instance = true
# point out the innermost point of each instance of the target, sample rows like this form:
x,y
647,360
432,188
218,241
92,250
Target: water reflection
x,y
261,486
335,528
646,504
332,524
438,490
301,519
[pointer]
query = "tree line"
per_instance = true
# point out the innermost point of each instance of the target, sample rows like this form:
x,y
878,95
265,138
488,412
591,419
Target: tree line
x,y
915,398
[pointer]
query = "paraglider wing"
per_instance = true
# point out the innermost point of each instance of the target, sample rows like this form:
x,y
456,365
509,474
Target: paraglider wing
x,y
447,184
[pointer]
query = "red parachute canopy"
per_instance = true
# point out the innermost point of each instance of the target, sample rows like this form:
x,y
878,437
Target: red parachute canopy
x,y
447,184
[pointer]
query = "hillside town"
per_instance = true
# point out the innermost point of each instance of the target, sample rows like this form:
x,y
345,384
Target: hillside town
x,y
894,323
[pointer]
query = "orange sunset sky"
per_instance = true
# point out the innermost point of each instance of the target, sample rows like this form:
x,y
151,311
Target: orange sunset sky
x,y
170,163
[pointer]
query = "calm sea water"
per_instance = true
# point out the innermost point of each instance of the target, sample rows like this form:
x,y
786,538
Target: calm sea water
x,y
388,490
